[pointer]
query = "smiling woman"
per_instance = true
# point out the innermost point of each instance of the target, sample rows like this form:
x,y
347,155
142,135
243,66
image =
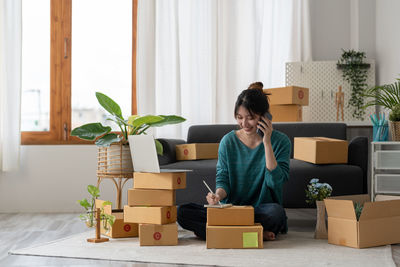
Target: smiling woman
x,y
58,91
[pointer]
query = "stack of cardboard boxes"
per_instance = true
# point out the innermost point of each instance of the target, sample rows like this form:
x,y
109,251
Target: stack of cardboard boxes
x,y
233,227
286,102
151,204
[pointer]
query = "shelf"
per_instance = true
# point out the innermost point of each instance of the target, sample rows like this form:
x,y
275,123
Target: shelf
x,y
387,183
361,66
387,160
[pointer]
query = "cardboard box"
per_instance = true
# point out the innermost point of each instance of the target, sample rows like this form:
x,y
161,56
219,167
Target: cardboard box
x,y
235,236
197,151
378,224
152,215
320,150
282,113
235,215
119,228
158,235
288,95
164,180
151,197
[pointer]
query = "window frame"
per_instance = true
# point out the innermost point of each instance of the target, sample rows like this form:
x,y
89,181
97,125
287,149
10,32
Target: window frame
x,y
60,77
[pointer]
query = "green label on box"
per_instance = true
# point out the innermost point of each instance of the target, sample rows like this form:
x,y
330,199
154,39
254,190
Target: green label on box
x,y
250,240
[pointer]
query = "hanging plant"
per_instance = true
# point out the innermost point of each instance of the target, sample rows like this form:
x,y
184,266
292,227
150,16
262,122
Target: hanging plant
x,y
355,73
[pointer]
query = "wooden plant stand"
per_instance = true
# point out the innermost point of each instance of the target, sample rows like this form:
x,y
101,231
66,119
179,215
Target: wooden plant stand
x,y
119,183
98,239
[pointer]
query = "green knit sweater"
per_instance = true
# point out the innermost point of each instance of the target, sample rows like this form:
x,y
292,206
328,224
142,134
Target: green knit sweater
x,y
242,173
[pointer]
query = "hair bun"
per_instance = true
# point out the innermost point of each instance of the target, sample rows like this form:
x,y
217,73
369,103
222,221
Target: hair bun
x,y
256,85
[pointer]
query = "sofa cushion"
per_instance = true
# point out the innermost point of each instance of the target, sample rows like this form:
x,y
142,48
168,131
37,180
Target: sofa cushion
x,y
344,179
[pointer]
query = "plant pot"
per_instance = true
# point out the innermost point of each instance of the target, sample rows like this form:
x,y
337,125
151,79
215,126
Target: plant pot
x,y
395,130
320,227
114,161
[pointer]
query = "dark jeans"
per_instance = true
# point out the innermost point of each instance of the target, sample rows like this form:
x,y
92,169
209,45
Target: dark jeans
x,y
193,217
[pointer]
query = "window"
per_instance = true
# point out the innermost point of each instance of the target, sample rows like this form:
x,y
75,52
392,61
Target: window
x,y
88,46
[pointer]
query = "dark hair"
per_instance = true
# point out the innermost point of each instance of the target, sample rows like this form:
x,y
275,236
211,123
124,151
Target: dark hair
x,y
253,99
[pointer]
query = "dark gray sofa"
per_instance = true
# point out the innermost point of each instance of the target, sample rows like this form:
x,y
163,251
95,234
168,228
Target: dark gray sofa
x,y
345,179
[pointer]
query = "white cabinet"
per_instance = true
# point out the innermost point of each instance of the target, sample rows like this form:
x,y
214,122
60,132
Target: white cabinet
x,y
385,169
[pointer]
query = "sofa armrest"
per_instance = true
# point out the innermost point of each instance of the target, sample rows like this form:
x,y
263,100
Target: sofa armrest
x,y
358,155
169,155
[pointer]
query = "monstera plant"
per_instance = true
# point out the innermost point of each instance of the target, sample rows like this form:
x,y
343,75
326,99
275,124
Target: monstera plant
x,y
135,124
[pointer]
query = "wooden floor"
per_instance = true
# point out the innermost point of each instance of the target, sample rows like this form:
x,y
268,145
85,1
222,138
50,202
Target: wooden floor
x,y
23,230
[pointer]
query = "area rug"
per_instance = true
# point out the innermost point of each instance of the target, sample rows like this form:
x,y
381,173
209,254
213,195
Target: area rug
x,y
292,249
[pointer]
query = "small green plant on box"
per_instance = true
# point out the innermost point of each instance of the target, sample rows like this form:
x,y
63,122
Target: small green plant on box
x,y
358,209
90,216
395,114
134,125
317,191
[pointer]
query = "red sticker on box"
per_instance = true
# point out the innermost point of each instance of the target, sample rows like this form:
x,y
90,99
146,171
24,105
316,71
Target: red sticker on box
x,y
300,94
168,214
127,227
157,236
178,180
185,151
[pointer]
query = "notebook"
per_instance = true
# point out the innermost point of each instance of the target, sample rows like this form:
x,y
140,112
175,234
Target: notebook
x,y
144,155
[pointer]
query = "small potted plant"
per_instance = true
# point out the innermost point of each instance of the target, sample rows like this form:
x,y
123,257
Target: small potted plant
x,y
90,216
316,193
388,97
114,156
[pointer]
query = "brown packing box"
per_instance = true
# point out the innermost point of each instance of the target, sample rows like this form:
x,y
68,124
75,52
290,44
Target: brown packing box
x,y
152,215
378,224
320,150
286,113
235,236
197,151
235,215
119,228
164,180
151,197
158,235
288,95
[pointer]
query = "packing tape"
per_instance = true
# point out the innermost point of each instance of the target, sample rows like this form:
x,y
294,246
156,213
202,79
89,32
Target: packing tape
x,y
250,240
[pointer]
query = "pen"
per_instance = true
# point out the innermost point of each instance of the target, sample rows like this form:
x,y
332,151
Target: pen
x,y
209,189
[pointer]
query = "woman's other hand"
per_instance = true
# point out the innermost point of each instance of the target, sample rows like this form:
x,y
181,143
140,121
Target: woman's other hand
x,y
212,199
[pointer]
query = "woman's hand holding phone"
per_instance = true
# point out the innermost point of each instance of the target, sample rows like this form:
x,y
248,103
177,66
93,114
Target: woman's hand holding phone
x,y
265,127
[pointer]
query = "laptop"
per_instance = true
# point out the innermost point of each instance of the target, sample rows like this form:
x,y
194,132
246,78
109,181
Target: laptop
x,y
144,154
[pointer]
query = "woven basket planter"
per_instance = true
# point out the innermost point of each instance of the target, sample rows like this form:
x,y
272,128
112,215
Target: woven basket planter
x,y
395,130
114,161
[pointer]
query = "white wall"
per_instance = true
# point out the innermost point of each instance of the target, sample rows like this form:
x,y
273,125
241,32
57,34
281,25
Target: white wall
x,y
52,178
387,41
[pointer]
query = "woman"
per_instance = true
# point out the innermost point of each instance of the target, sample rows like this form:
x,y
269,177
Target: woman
x,y
251,168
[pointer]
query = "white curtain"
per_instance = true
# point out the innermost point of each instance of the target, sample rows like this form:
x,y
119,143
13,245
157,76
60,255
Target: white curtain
x,y
196,56
10,83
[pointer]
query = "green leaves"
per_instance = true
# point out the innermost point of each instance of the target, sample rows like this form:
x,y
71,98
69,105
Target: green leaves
x,y
387,96
169,119
93,191
159,147
90,131
108,139
139,125
358,209
109,105
84,203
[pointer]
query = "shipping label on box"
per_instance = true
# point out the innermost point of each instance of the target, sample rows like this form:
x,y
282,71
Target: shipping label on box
x,y
197,151
164,180
320,150
378,223
119,228
235,236
286,113
152,215
158,235
288,95
235,215
151,197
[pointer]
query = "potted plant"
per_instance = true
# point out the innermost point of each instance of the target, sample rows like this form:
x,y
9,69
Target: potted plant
x,y
90,216
355,73
114,158
316,193
388,97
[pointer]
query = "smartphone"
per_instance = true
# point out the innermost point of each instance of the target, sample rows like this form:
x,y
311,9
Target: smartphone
x,y
268,116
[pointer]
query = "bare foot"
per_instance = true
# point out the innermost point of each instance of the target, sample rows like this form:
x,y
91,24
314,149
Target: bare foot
x,y
269,236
